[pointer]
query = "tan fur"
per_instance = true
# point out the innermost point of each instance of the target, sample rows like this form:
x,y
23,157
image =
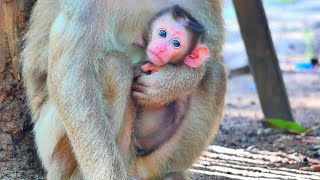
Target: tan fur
x,y
63,160
68,47
172,81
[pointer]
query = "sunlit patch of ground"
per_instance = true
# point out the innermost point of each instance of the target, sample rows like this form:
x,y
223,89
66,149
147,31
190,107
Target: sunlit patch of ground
x,y
225,163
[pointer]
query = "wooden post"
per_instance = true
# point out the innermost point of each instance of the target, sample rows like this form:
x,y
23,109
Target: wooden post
x,y
13,16
263,59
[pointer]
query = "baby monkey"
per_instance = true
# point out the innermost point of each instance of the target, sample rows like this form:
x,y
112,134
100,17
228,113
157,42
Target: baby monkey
x,y
174,37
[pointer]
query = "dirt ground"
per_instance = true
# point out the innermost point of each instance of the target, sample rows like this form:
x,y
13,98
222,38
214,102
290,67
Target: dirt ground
x,y
242,132
244,147
289,24
242,129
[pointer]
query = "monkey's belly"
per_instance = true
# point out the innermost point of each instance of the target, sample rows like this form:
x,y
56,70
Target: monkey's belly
x,y
48,130
154,127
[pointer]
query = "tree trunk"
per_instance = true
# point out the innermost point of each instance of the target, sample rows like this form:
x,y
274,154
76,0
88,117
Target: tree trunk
x,y
18,158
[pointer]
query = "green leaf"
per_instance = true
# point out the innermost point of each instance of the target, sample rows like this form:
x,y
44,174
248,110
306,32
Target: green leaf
x,y
286,125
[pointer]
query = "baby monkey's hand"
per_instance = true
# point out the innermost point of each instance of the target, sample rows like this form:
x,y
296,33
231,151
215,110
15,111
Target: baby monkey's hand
x,y
149,67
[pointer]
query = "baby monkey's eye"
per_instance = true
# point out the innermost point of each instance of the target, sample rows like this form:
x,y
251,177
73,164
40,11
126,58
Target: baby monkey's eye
x,y
162,33
176,43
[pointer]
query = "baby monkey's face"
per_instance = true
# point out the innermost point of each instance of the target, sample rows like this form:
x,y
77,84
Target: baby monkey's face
x,y
169,41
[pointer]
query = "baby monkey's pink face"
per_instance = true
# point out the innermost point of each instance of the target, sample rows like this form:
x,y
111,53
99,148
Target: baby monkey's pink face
x,y
169,41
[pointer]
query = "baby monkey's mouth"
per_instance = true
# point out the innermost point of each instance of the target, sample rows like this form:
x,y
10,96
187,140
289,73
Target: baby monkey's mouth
x,y
156,56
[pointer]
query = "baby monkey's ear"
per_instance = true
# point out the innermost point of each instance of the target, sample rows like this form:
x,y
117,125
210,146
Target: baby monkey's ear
x,y
199,54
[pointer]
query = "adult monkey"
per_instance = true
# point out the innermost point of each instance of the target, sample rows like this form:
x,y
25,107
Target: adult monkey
x,y
77,72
